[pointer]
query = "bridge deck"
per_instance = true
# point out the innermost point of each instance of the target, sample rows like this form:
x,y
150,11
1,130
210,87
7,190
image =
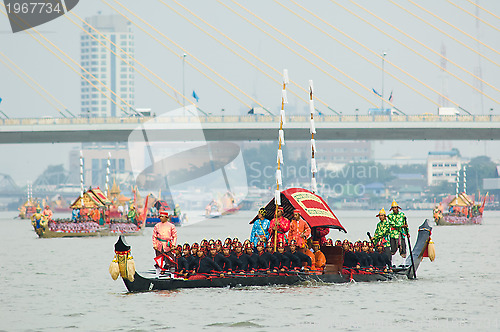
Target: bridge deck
x,y
238,128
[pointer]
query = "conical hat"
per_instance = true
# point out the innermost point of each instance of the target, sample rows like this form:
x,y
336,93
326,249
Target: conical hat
x,y
381,212
394,205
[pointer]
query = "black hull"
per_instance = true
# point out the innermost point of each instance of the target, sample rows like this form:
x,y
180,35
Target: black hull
x,y
145,284
150,281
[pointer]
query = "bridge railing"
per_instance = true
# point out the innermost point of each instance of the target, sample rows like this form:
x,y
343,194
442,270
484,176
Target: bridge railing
x,y
250,118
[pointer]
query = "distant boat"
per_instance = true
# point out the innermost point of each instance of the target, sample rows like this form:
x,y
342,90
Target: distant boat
x,y
27,209
460,211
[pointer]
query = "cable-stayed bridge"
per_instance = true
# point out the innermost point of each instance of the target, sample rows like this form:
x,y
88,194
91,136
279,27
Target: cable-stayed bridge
x,y
243,128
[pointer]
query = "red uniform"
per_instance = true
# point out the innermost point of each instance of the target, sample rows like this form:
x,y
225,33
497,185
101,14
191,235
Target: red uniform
x,y
283,227
299,231
320,235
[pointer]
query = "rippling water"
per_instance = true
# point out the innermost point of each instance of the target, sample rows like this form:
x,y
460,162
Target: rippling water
x,y
53,284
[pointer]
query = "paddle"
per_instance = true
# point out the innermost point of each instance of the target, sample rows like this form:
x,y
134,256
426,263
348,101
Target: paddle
x,y
371,240
409,246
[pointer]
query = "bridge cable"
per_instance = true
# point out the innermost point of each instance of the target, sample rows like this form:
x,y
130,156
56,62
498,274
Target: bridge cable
x,y
12,63
191,55
176,54
486,10
475,16
126,53
243,48
443,32
455,27
72,68
187,19
9,66
362,45
298,54
416,52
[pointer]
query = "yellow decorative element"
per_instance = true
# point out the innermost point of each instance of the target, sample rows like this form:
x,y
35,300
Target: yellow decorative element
x,y
122,264
313,212
381,212
431,251
394,204
114,269
131,268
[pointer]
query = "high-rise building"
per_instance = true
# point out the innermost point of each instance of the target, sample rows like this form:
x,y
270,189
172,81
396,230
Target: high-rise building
x,y
443,166
107,67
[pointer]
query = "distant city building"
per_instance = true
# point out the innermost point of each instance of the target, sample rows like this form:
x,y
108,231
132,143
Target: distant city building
x,y
332,152
443,166
95,160
106,67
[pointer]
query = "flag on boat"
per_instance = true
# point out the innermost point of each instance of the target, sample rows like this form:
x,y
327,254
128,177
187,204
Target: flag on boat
x,y
159,260
0,100
195,96
378,94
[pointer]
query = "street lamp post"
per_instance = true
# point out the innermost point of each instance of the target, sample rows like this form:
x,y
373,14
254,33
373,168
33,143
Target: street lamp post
x,y
384,53
183,87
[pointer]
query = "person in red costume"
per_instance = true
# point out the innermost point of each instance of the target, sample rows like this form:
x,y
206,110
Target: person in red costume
x,y
47,212
164,235
319,234
299,229
278,228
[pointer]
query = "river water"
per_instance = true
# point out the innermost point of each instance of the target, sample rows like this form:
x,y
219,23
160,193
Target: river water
x,y
56,284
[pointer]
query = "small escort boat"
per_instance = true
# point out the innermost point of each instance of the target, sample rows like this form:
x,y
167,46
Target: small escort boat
x,y
317,214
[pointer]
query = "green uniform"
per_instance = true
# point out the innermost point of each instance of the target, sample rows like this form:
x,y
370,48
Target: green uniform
x,y
131,215
396,222
382,232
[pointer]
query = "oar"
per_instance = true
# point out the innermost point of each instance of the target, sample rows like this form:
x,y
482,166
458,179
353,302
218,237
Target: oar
x,y
409,246
370,237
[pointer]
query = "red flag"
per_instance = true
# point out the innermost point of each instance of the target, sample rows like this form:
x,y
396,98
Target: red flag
x,y
159,260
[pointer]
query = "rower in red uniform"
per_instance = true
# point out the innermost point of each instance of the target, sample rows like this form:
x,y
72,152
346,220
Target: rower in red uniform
x,y
194,249
279,227
283,262
203,264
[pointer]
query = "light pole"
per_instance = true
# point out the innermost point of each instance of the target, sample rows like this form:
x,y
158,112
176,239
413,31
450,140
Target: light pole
x,y
384,53
183,87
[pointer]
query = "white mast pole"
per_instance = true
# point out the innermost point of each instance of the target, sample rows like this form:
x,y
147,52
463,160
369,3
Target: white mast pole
x,y
281,141
465,179
81,176
314,169
108,165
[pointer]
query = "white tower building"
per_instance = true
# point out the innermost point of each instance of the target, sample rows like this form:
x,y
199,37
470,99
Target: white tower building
x,y
108,68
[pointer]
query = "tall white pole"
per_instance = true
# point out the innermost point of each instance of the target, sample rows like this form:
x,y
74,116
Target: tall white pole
x,y
183,86
465,179
384,53
81,174
281,141
107,174
458,183
314,169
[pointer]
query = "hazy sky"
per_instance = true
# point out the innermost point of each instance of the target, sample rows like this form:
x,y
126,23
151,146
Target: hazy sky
x,y
343,78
